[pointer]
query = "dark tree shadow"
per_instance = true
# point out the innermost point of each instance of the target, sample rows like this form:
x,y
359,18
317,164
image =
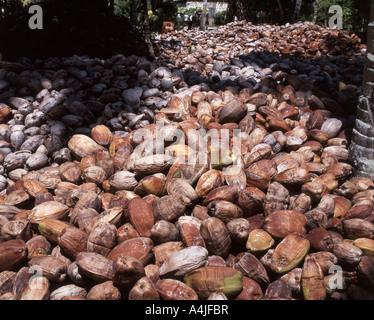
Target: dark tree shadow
x,y
70,27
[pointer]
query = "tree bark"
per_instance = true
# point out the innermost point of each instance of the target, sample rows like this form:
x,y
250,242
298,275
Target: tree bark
x,y
315,13
231,9
134,12
362,143
1,9
296,14
237,9
281,11
203,15
326,15
147,29
155,4
242,14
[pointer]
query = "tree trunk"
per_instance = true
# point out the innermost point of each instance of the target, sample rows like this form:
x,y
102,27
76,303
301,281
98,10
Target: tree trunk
x,y
237,9
326,15
296,14
155,4
6,11
242,14
362,144
315,13
134,12
281,11
232,11
1,9
111,5
203,15
147,29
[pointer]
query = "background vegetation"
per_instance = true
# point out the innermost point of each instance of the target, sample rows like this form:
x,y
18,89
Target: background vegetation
x,y
356,12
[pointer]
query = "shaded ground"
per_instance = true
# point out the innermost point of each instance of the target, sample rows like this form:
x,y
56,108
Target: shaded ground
x,y
322,58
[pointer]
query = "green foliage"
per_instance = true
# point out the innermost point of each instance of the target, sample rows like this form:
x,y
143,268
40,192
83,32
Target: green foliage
x,y
122,8
167,11
191,11
355,13
324,6
221,18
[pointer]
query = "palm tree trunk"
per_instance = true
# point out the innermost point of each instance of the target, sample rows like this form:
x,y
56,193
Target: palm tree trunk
x,y
134,12
232,11
326,15
362,143
315,14
203,15
155,4
242,14
147,29
296,14
1,9
281,11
